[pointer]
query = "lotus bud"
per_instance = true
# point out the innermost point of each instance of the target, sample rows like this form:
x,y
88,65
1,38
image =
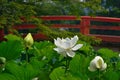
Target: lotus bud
x,y
97,63
2,63
2,60
119,55
28,40
36,78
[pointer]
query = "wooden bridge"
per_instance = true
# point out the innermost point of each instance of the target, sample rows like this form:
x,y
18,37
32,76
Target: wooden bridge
x,y
84,26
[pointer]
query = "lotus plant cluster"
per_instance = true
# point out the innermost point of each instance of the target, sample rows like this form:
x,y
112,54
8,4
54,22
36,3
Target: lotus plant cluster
x,y
67,46
65,59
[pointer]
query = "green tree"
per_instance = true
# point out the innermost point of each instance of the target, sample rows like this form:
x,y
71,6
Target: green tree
x,y
67,7
11,13
111,8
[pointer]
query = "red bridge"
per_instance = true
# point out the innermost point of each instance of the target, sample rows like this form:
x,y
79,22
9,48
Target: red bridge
x,y
84,26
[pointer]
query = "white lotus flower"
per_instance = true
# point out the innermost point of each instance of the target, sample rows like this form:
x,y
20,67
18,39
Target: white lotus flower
x,y
97,63
67,46
28,40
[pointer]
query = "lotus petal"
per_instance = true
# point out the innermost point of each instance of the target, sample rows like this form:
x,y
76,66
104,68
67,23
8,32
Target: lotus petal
x,y
77,47
104,66
71,53
59,50
74,41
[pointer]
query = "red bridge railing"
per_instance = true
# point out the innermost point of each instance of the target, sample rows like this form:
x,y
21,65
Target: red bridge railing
x,y
84,26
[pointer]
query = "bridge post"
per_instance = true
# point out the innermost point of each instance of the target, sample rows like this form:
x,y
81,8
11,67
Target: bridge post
x,y
1,34
85,25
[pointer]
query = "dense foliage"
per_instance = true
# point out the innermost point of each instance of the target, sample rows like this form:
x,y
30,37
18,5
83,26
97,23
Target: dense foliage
x,y
68,7
16,12
11,13
42,62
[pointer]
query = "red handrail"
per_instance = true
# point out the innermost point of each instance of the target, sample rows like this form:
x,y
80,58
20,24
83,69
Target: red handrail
x,y
104,19
59,17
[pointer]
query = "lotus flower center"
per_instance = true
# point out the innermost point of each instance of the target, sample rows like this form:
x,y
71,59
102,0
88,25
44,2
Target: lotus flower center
x,y
99,63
